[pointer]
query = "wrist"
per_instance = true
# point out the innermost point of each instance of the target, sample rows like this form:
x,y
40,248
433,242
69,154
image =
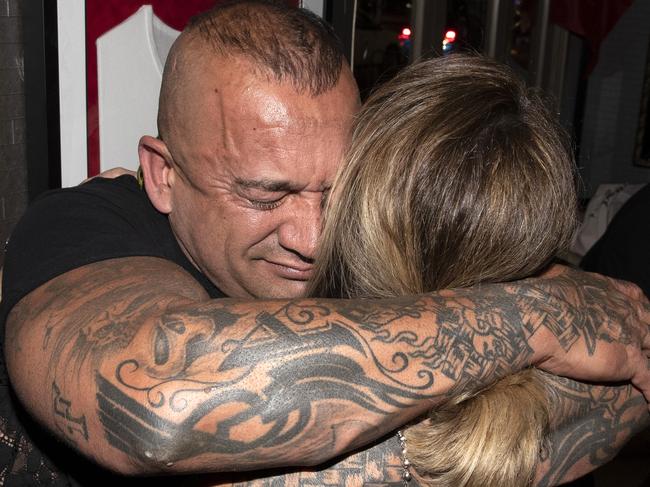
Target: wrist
x,y
541,343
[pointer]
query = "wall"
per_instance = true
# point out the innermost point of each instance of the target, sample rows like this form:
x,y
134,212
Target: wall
x,y
613,102
13,175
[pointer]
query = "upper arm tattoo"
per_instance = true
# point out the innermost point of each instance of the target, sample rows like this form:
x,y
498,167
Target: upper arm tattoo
x,y
69,425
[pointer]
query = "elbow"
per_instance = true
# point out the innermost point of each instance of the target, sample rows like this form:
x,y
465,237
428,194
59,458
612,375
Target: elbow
x,y
140,456
143,439
139,461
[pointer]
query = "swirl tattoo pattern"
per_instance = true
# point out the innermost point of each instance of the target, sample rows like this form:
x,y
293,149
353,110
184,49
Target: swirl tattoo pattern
x,y
185,384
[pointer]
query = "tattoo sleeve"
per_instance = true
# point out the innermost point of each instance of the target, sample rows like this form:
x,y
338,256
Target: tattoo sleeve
x,y
144,374
592,423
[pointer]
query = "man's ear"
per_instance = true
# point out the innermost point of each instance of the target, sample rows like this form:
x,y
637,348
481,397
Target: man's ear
x,y
157,172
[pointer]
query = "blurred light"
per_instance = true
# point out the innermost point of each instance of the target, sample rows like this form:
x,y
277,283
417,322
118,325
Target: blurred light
x,y
404,35
448,41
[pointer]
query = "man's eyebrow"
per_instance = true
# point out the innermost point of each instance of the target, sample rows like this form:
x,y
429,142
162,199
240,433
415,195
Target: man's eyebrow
x,y
265,184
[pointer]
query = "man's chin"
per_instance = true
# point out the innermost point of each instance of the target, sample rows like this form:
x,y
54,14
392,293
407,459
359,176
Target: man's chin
x,y
281,289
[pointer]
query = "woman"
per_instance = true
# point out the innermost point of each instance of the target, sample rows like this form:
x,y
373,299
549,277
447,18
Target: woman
x,y
457,175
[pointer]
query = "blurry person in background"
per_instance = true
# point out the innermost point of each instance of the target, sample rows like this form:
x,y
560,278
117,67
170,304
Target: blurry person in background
x,y
622,252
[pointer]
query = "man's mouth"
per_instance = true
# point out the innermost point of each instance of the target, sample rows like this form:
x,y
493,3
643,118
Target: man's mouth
x,y
296,272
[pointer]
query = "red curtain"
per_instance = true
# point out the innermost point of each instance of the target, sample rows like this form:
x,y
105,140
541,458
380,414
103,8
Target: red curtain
x,y
101,16
590,19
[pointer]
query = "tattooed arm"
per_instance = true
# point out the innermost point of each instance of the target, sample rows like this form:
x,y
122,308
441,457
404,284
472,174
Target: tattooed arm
x,y
130,362
591,423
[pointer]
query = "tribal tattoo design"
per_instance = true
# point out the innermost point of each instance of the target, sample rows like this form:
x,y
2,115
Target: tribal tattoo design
x,y
183,382
593,423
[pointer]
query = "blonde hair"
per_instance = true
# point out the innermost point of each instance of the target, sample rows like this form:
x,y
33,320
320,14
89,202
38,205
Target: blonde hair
x,y
457,174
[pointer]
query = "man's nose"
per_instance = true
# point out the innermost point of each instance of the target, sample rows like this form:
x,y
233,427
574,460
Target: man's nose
x,y
300,231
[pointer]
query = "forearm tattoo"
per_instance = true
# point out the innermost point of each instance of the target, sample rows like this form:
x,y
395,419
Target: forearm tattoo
x,y
295,384
305,360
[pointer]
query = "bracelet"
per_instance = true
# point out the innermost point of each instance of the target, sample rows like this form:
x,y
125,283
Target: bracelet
x,y
406,465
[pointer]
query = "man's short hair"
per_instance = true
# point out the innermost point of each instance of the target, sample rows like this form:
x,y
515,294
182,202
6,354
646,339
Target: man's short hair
x,y
282,43
291,43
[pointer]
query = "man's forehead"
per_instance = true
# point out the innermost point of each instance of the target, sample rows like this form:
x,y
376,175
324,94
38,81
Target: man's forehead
x,y
276,106
272,158
262,130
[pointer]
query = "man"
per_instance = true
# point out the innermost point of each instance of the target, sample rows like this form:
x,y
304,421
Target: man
x,y
144,370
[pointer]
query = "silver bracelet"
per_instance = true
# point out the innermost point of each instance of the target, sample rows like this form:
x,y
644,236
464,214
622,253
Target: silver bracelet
x,y
406,465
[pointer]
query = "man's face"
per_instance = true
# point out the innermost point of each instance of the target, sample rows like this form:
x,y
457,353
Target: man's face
x,y
256,164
